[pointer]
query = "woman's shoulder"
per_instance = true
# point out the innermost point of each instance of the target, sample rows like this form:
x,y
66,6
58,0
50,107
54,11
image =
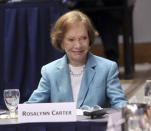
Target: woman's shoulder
x,y
102,60
53,65
101,63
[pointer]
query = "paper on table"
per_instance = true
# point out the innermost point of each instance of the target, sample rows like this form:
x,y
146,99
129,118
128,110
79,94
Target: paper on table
x,y
4,116
79,112
2,112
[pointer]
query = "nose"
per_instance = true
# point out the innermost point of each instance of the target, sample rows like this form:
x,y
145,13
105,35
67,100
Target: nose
x,y
78,43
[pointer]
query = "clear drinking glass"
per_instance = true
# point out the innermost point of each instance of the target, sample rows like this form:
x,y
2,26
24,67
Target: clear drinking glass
x,y
147,92
11,98
138,123
136,117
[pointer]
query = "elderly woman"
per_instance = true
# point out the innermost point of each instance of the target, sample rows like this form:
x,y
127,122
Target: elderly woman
x,y
79,75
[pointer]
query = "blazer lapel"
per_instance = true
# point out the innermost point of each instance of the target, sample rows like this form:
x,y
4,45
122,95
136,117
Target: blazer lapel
x,y
64,79
88,75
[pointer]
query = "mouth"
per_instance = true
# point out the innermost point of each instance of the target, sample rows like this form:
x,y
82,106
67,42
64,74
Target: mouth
x,y
78,52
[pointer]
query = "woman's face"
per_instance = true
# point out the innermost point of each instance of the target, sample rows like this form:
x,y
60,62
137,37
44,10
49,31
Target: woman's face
x,y
76,44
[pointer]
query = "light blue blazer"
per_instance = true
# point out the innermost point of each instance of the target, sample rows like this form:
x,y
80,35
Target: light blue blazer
x,y
100,84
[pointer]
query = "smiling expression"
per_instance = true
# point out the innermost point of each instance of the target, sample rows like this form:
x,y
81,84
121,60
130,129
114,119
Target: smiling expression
x,y
76,44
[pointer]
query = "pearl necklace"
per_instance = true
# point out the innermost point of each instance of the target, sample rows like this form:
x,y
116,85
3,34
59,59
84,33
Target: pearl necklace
x,y
75,72
76,75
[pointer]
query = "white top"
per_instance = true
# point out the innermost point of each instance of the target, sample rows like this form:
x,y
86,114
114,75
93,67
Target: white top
x,y
76,74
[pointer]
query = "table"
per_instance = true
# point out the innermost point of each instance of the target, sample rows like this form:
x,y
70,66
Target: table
x,y
56,126
83,123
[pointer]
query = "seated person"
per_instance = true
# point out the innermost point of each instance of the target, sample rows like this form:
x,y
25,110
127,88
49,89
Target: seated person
x,y
79,75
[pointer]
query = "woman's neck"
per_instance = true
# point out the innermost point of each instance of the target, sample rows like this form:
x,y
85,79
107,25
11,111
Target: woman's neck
x,y
77,63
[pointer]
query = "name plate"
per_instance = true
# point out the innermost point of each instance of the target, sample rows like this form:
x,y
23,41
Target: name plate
x,y
47,112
